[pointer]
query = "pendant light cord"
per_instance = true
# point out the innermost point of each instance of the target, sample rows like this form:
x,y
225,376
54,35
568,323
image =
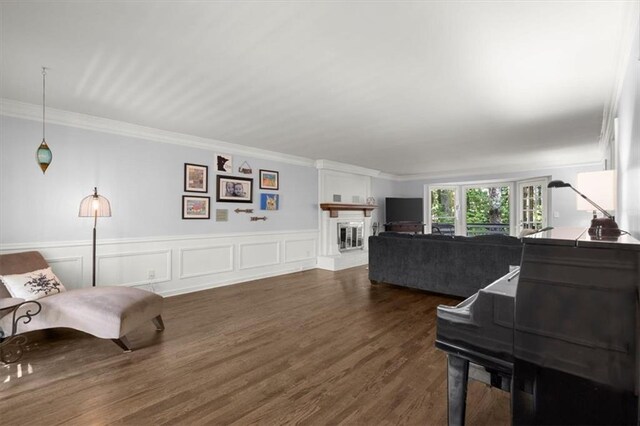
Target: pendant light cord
x,y
44,73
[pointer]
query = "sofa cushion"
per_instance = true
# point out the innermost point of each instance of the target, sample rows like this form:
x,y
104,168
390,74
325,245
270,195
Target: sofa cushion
x,y
435,237
32,285
497,239
19,263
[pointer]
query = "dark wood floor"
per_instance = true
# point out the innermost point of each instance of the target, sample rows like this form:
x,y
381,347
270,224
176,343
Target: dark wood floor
x,y
313,347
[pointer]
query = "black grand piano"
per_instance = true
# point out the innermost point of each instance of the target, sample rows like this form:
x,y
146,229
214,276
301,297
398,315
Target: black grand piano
x,y
559,332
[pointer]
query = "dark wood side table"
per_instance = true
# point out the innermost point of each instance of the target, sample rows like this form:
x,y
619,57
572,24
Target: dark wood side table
x,y
12,346
414,227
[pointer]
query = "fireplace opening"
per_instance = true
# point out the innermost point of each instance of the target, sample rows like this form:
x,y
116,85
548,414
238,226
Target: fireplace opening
x,y
350,236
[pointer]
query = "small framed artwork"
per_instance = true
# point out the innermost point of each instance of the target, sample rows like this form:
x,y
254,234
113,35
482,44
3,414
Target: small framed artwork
x,y
196,178
224,163
269,202
269,179
195,207
232,189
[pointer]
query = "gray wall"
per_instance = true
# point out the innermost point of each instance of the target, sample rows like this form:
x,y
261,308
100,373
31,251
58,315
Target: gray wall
x,y
562,200
380,189
628,144
142,179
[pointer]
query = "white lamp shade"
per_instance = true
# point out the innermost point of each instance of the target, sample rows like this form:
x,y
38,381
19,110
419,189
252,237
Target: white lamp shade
x,y
95,206
599,187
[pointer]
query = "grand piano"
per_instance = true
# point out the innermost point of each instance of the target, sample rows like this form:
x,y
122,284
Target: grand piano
x,y
559,332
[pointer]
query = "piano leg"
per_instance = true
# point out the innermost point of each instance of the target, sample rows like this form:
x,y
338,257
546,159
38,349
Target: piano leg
x,y
457,378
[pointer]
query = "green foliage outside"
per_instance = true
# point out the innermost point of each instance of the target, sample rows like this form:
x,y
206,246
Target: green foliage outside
x,y
488,205
484,205
443,206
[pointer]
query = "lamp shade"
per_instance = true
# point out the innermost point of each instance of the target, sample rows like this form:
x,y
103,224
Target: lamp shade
x,y
95,206
600,187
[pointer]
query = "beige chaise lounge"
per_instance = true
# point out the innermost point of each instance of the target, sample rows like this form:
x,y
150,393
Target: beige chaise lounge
x,y
105,312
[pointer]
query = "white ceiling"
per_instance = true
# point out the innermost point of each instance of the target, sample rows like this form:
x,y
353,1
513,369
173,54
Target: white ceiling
x,y
402,87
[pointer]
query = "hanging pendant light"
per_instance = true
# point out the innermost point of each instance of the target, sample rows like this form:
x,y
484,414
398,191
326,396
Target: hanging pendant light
x,y
43,154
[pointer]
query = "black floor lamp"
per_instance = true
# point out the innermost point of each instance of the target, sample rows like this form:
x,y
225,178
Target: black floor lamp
x,y
94,206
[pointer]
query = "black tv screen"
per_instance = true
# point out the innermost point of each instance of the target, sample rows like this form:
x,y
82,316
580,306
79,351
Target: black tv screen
x,y
404,210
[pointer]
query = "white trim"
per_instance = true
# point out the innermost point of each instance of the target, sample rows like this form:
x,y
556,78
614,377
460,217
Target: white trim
x,y
181,251
12,108
23,110
496,171
241,264
166,252
311,257
244,278
347,168
168,238
624,55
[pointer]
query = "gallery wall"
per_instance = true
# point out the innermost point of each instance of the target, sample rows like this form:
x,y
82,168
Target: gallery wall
x,y
146,243
143,179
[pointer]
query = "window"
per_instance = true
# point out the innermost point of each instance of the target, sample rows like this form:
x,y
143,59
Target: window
x,y
487,208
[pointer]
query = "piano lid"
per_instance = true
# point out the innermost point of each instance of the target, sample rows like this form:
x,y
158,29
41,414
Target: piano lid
x,y
579,237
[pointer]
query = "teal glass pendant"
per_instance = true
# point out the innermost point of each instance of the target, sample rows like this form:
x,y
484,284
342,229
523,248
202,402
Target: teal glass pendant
x,y
44,156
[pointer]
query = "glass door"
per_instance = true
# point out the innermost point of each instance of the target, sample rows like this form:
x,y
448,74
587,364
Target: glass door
x,y
532,205
487,209
444,214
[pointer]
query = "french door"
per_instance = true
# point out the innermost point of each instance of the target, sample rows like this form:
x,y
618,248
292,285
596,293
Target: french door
x,y
532,206
444,210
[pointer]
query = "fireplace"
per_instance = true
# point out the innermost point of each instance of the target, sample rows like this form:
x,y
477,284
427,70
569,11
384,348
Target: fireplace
x,y
344,230
350,236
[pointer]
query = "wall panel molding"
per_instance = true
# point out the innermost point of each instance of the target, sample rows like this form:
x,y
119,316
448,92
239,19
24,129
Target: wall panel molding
x,y
255,255
131,268
296,250
200,262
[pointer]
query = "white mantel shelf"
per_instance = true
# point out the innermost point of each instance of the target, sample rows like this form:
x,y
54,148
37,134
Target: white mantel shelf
x,y
334,208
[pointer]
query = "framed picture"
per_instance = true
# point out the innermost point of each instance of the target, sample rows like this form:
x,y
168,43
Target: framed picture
x,y
269,202
195,207
196,178
224,163
232,189
269,179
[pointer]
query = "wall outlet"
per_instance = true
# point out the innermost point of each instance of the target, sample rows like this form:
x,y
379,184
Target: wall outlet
x,y
556,214
151,274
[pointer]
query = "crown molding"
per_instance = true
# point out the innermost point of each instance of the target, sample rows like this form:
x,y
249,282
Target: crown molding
x,y
12,108
493,170
347,168
628,32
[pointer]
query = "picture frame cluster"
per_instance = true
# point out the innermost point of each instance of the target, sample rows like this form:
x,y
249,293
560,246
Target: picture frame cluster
x,y
229,188
196,179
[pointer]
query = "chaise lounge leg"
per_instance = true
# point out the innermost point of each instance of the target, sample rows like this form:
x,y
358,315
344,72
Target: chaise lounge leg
x,y
157,321
123,342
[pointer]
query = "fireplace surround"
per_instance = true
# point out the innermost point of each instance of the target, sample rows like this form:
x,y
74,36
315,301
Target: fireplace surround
x,y
350,235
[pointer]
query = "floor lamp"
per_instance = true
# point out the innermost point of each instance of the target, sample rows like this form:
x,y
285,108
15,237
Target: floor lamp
x,y
94,206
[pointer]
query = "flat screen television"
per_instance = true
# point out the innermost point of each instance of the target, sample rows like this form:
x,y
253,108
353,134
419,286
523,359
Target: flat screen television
x,y
404,210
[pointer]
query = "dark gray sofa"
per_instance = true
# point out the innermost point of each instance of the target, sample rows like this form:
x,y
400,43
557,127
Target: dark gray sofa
x,y
457,266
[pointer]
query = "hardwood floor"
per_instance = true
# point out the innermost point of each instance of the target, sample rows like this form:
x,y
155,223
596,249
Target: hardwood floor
x,y
313,347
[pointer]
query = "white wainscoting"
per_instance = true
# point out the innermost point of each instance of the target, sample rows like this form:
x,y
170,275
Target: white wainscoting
x,y
180,264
